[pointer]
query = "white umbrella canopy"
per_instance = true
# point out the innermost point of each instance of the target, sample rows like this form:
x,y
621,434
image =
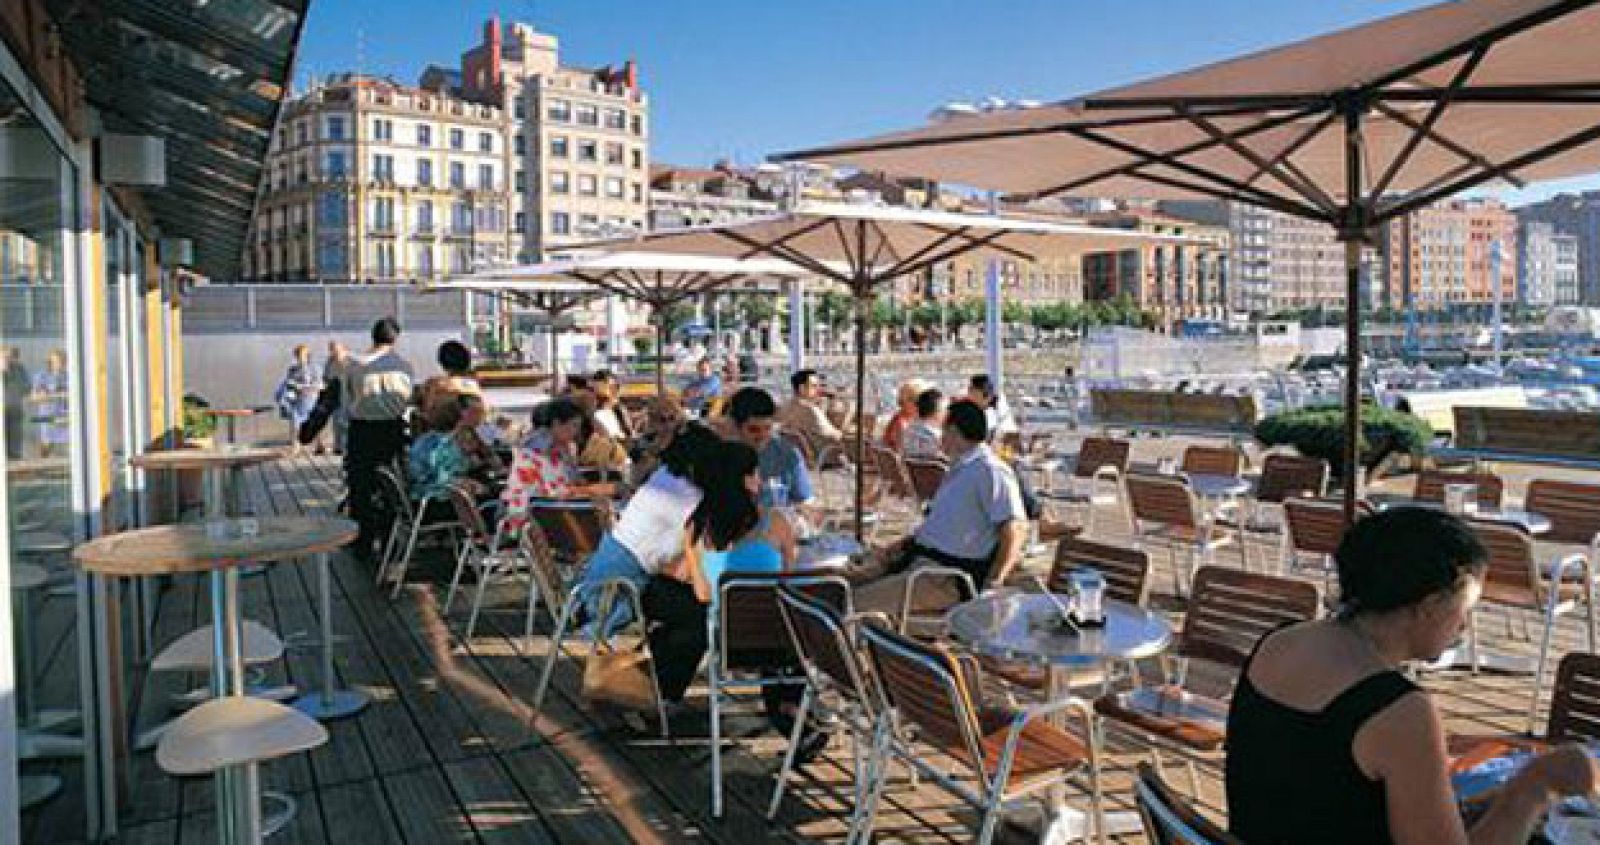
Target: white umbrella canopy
x,y
1352,128
861,246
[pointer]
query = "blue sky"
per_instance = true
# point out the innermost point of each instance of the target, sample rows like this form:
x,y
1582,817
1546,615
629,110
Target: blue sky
x,y
740,80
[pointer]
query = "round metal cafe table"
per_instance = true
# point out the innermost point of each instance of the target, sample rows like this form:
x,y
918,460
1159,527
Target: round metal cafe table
x,y
223,468
219,548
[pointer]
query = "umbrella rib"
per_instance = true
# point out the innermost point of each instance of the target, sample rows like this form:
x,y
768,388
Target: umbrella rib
x,y
782,250
883,243
1292,179
1283,155
945,237
1464,152
1430,120
983,242
1417,199
1499,33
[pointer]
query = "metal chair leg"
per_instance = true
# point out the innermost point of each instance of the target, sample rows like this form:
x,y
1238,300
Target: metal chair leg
x,y
789,753
556,636
716,738
405,561
1550,615
485,573
455,578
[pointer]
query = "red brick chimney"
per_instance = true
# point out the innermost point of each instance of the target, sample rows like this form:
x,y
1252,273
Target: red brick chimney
x,y
630,75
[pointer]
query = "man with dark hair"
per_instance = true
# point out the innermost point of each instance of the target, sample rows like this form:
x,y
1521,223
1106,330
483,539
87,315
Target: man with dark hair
x,y
752,411
981,391
921,439
975,523
377,392
456,360
804,415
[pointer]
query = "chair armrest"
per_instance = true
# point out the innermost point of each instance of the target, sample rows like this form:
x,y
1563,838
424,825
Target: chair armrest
x,y
1019,722
1108,473
1576,562
854,621
962,580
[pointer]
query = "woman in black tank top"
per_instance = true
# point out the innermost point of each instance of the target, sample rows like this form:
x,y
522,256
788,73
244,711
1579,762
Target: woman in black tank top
x,y
1329,743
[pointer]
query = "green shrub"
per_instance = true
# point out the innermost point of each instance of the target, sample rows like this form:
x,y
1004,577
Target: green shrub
x,y
197,424
1318,432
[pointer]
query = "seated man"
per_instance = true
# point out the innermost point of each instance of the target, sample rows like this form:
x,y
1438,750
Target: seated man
x,y
703,389
805,414
975,523
750,418
922,439
981,391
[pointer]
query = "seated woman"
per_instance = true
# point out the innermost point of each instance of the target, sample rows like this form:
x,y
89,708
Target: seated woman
x,y
600,456
435,459
545,466
1328,741
665,417
906,412
483,462
609,415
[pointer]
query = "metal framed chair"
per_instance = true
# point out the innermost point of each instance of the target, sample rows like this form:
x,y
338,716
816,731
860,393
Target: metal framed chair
x,y
1228,613
1164,508
744,644
837,690
1575,704
1000,756
611,591
926,476
1170,820
1574,513
572,527
1515,581
412,521
547,581
1312,529
489,552
1096,477
1431,483
1283,477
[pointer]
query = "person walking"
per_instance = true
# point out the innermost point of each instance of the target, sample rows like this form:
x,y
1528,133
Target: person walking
x,y
297,393
333,375
18,385
377,393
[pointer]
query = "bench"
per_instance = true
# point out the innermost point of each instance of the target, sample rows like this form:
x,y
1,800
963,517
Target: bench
x,y
1525,435
1168,412
1437,407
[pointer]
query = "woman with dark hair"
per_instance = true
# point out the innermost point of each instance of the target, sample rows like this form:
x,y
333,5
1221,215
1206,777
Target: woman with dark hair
x,y
545,466
599,454
1329,742
648,536
455,359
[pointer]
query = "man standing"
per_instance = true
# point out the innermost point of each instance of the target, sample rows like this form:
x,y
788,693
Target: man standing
x,y
377,392
752,410
804,414
975,523
18,384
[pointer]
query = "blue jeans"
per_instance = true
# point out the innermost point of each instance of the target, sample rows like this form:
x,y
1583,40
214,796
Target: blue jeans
x,y
611,560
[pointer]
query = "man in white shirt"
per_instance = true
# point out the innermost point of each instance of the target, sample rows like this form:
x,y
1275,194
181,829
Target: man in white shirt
x,y
921,439
377,392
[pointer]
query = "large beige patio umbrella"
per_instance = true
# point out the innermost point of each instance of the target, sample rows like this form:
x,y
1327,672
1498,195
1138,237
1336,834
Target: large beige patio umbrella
x,y
861,246
553,298
657,279
1353,128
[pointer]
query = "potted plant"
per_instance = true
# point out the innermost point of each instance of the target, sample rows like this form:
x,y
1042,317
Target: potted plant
x,y
199,426
1318,432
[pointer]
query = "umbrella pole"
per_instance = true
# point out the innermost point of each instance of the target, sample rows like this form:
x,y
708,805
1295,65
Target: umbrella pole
x,y
861,404
1352,382
661,352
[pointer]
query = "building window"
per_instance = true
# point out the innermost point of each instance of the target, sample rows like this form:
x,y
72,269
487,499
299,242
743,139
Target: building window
x,y
616,119
519,222
519,109
301,133
460,219
458,175
588,151
588,115
425,217
638,159
559,110
560,223
424,260
638,192
588,223
383,214
331,258
383,167
425,172
335,165
458,139
519,143
637,124
424,135
560,182
586,185
486,176
331,209
382,129
613,154
335,128
519,181
558,146
383,255
485,142
461,259
614,187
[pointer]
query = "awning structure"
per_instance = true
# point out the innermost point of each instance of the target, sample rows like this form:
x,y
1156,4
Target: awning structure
x,y
1353,128
209,77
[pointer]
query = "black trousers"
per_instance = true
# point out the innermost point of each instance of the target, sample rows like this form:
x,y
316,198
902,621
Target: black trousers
x,y
371,444
677,625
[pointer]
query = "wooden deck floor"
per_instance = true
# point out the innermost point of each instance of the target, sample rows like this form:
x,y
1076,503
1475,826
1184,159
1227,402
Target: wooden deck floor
x,y
449,750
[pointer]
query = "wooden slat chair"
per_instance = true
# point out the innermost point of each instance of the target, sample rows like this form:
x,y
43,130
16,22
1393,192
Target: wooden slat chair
x,y
897,492
1228,613
1514,580
572,527
1169,819
1164,508
1283,477
1312,529
490,553
1431,483
838,693
1575,704
745,644
1574,512
1096,477
1211,460
1000,756
411,522
926,476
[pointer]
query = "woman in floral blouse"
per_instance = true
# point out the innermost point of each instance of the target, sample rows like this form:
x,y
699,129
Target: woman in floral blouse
x,y
545,466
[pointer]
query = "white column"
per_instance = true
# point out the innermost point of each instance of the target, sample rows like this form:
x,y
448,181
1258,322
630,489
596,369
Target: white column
x,y
614,330
797,325
991,324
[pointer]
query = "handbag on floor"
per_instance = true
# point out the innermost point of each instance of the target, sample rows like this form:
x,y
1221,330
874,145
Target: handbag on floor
x,y
620,678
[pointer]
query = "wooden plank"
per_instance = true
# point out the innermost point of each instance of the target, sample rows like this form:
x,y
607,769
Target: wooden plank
x,y
495,805
426,811
359,812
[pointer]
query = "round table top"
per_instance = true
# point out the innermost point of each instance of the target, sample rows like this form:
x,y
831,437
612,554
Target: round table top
x,y
999,625
190,547
232,412
1212,486
206,458
1533,523
826,551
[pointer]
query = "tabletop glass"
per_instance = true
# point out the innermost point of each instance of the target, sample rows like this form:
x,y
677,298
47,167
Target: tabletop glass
x,y
1014,625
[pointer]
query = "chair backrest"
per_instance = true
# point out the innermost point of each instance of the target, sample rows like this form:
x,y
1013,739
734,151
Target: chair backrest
x,y
1575,705
1169,819
817,634
392,491
1165,500
927,688
467,513
573,528
893,472
1127,571
799,441
1097,452
544,567
1431,483
1573,509
1314,527
1511,559
1230,610
747,612
1212,460
1291,476
926,476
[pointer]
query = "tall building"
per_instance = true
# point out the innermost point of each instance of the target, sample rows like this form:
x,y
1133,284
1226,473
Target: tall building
x,y
1174,281
1547,265
681,197
1577,216
369,180
1444,255
501,160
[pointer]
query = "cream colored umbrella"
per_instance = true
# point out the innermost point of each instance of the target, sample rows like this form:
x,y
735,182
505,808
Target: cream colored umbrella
x,y
861,246
1353,128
